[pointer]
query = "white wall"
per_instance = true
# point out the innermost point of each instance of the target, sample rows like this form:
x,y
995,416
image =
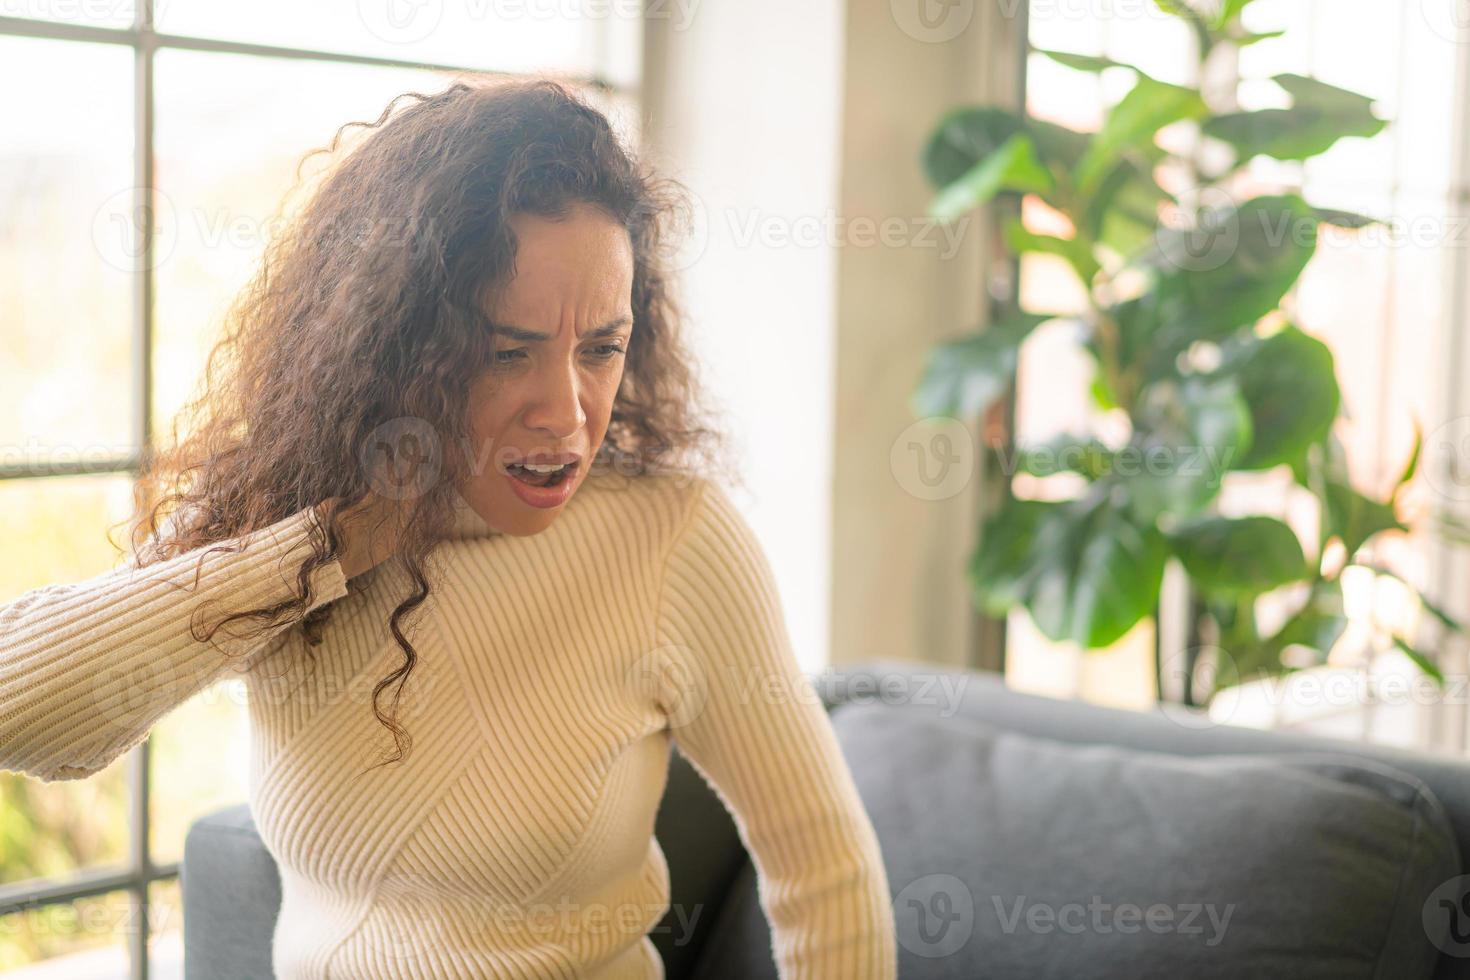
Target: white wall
x,y
741,104
800,127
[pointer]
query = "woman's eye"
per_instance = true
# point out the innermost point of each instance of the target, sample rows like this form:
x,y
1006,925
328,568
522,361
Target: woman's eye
x,y
506,356
608,351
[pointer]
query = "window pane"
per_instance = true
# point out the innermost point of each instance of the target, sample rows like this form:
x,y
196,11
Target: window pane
x,y
82,940
55,531
200,759
91,13
505,35
165,931
231,130
54,829
65,250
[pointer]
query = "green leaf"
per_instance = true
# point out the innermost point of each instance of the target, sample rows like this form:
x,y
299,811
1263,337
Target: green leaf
x,y
1345,219
1329,98
1234,268
1298,133
1248,38
1086,62
1148,107
963,138
1124,212
1229,10
1289,382
1317,625
1186,436
1320,115
1005,561
963,377
1411,467
1421,660
1239,556
1099,574
1355,518
1145,337
1013,167
1102,395
1077,254
1060,147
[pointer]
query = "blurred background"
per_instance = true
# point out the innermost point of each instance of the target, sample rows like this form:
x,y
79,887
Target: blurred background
x,y
1114,345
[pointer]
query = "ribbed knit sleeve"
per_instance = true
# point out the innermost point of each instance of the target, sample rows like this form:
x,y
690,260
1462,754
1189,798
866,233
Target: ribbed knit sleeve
x,y
742,711
86,669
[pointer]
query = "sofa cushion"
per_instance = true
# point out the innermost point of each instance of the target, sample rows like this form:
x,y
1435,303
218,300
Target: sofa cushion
x,y
1011,856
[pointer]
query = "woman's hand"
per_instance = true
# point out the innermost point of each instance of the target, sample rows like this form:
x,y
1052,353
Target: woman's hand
x,y
369,531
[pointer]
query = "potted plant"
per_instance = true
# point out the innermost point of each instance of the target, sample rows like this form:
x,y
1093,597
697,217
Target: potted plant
x,y
1185,276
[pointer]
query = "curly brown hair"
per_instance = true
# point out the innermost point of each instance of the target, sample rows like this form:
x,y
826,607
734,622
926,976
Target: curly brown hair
x,y
369,309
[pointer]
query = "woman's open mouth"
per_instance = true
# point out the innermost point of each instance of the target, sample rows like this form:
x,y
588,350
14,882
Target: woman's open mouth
x,y
541,477
542,485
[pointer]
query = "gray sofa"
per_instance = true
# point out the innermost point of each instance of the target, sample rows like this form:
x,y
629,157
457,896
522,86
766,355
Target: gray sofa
x,y
1029,837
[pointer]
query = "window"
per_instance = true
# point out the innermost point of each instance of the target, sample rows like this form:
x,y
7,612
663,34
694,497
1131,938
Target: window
x,y
147,151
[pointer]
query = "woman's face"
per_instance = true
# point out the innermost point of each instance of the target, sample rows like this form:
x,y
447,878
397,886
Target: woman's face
x,y
563,326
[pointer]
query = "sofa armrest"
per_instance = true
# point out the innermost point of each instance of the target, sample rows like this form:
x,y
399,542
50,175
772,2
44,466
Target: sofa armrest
x,y
231,893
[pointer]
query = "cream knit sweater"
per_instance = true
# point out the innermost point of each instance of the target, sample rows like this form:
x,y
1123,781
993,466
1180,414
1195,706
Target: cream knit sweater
x,y
516,840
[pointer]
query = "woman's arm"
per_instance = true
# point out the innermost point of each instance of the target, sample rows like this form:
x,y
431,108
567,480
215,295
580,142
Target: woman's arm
x,y
744,714
87,669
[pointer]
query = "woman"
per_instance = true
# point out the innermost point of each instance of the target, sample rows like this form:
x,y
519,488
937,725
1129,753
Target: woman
x,y
447,451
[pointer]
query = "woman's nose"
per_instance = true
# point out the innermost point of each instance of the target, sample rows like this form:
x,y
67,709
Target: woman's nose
x,y
556,406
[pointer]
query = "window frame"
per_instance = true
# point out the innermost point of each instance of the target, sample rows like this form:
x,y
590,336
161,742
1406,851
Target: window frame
x,y
140,871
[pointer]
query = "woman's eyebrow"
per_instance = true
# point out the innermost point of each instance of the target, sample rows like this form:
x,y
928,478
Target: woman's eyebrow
x,y
518,333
